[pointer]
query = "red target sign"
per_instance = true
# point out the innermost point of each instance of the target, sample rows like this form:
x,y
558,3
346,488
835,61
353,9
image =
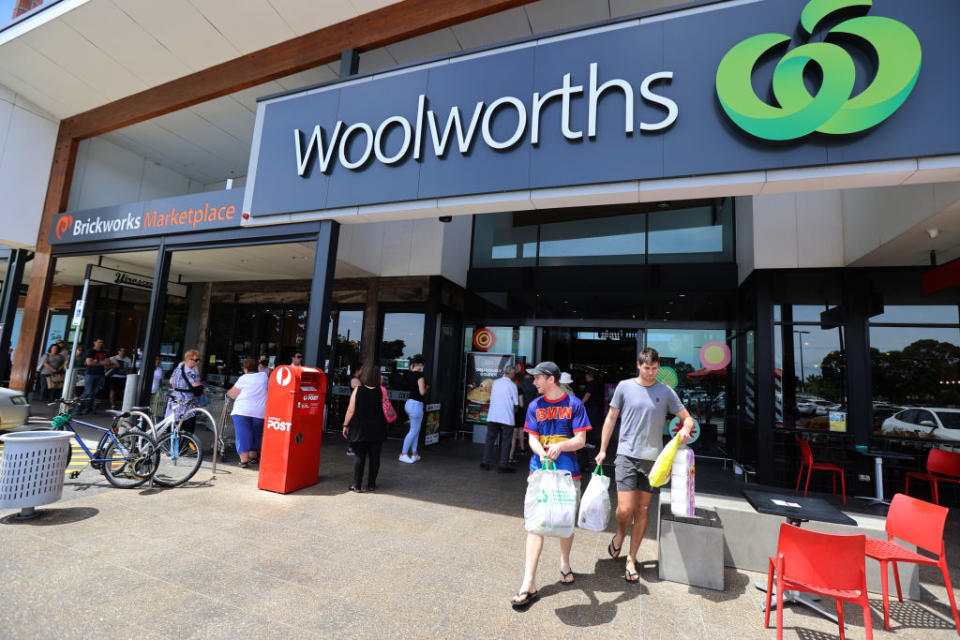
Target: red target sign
x,y
483,339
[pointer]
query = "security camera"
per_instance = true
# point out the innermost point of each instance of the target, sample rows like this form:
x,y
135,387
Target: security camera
x,y
446,218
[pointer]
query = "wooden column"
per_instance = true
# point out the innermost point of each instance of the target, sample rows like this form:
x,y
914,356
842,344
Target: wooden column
x,y
41,274
204,325
371,322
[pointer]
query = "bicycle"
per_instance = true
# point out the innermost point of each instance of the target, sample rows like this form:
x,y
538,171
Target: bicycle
x,y
180,452
127,460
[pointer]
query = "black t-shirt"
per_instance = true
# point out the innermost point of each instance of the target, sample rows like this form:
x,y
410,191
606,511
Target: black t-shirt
x,y
595,401
413,385
96,355
528,390
368,424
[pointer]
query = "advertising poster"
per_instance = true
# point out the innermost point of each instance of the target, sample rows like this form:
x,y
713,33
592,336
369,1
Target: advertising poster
x,y
431,424
482,370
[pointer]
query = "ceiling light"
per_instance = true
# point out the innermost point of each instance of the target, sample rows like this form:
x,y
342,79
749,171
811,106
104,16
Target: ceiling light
x,y
933,232
663,205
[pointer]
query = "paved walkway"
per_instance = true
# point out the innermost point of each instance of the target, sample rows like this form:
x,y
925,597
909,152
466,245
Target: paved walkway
x,y
435,553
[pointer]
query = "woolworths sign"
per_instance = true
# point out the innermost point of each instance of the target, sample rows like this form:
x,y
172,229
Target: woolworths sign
x,y
735,86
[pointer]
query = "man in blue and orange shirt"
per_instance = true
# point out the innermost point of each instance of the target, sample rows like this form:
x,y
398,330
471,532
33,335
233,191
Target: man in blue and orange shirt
x,y
557,425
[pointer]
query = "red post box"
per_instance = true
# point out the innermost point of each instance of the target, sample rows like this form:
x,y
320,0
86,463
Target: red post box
x,y
292,429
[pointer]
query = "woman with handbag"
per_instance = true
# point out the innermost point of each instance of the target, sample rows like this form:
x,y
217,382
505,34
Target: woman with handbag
x,y
365,426
249,395
51,371
186,388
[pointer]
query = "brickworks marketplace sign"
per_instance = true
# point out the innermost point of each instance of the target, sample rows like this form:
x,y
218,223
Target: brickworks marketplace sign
x,y
182,214
726,87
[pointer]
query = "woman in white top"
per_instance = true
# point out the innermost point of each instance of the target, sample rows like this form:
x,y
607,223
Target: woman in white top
x,y
249,394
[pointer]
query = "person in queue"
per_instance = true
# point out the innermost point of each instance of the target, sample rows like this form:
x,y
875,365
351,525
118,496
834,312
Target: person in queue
x,y
557,426
296,360
414,408
518,445
249,395
500,415
642,404
117,375
96,361
185,386
51,364
365,426
355,381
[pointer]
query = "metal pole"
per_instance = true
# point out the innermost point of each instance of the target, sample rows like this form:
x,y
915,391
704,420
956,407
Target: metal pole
x,y
68,380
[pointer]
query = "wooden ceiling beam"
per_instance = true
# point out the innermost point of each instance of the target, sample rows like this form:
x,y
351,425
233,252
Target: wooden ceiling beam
x,y
385,26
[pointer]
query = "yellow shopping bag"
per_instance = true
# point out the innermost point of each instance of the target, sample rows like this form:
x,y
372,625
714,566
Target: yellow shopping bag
x,y
662,468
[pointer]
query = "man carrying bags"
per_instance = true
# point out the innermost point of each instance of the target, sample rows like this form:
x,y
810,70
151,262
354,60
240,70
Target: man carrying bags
x,y
557,426
642,404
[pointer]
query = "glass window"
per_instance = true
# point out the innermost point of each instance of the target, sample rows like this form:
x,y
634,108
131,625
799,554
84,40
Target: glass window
x,y
402,336
594,240
949,419
690,235
915,314
915,365
504,240
809,375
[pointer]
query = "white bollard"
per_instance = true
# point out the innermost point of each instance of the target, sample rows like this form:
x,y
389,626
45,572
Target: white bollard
x,y
130,392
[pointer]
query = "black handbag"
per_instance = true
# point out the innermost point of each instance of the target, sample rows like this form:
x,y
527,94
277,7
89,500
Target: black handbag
x,y
197,391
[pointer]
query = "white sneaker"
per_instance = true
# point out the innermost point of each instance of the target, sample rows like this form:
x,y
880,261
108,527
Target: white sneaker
x,y
415,459
406,458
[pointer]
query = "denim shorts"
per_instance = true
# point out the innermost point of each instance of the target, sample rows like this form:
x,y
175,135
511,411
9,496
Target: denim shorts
x,y
632,474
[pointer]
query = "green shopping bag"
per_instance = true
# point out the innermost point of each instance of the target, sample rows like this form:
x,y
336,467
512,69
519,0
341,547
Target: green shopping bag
x,y
660,473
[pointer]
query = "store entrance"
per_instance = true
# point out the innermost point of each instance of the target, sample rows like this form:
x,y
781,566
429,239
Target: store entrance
x,y
692,361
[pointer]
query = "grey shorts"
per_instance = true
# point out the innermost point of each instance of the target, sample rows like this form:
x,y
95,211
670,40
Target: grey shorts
x,y
632,474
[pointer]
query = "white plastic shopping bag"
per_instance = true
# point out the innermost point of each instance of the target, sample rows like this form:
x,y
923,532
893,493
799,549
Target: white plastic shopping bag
x,y
550,506
595,503
682,502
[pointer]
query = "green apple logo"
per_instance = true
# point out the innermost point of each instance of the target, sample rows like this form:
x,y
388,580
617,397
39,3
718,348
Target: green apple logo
x,y
831,110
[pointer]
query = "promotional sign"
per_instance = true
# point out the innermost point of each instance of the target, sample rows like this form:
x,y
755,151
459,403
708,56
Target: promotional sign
x,y
675,424
131,280
77,313
482,370
838,421
181,214
431,424
729,87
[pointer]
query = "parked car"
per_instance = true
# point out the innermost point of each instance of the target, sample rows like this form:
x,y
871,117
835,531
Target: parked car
x,y
933,422
14,408
815,406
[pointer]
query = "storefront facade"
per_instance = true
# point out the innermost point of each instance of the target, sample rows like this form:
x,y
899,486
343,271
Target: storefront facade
x,y
684,179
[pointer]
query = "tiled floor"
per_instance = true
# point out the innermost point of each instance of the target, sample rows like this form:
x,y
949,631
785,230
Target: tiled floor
x,y
435,553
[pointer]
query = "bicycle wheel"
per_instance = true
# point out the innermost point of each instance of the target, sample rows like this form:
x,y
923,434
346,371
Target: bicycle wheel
x,y
180,458
131,460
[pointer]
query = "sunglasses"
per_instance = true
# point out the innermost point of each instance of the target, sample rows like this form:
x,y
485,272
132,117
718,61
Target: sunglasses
x,y
193,359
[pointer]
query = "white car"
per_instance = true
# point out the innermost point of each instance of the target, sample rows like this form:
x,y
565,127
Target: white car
x,y
815,406
14,408
941,423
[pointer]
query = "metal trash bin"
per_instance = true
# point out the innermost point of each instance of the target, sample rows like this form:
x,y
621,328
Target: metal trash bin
x,y
32,470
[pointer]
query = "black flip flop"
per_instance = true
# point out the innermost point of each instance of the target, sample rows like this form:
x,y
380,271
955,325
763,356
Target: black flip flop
x,y
528,599
564,576
613,550
631,576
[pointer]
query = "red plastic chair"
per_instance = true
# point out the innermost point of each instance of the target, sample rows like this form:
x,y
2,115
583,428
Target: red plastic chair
x,y
806,460
944,463
919,523
828,565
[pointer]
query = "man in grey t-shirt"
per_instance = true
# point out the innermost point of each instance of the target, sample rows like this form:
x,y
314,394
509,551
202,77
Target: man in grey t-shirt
x,y
642,404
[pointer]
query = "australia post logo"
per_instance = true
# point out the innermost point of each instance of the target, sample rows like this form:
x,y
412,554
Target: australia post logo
x,y
283,376
831,109
278,424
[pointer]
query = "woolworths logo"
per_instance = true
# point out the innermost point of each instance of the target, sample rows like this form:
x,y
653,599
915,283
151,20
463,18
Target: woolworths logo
x,y
831,109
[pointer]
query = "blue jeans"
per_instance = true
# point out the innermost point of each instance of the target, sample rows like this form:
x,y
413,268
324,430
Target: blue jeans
x,y
91,386
414,411
248,432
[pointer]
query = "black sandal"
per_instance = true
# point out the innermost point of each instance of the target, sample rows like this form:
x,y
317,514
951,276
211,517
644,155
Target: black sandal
x,y
528,599
354,489
631,576
564,576
614,551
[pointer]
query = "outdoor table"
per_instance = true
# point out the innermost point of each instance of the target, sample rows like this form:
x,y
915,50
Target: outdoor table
x,y
878,455
797,510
